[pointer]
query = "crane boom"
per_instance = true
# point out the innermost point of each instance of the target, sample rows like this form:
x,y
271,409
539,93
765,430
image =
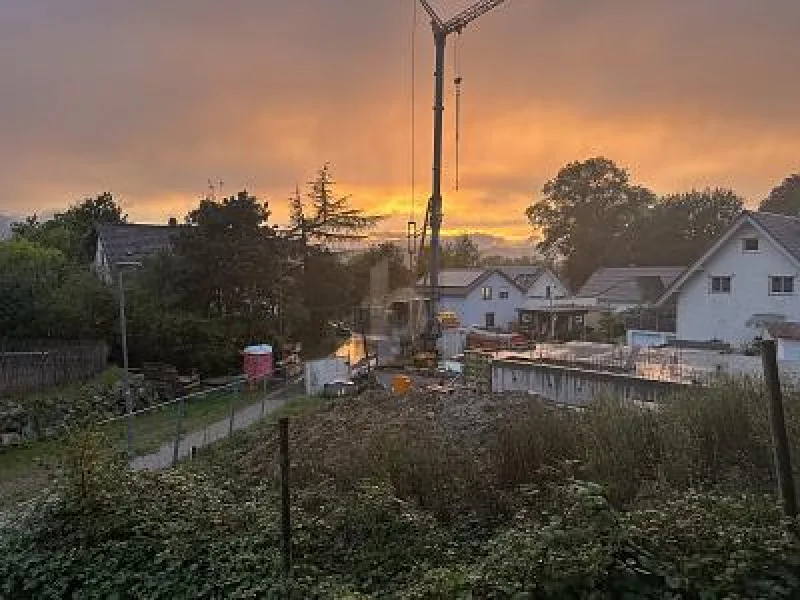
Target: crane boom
x,y
441,30
462,19
436,21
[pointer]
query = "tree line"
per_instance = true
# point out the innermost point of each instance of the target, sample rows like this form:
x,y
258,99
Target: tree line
x,y
592,215
232,278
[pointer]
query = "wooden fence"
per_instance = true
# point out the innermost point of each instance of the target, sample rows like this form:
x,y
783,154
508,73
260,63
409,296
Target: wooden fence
x,y
32,366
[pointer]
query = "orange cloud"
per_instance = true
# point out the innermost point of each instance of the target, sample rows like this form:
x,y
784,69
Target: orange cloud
x,y
151,103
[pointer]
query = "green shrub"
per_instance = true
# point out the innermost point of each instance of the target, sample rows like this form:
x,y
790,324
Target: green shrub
x,y
714,546
391,501
540,443
717,436
621,446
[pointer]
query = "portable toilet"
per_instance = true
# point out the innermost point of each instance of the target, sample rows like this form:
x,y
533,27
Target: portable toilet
x,y
258,363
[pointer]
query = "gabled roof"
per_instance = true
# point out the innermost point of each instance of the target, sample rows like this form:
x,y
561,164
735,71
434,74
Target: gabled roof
x,y
523,275
460,282
629,285
782,230
133,242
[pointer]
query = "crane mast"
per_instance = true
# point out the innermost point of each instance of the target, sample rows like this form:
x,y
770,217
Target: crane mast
x,y
441,29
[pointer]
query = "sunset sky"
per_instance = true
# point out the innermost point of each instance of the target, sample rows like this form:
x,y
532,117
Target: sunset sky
x,y
152,98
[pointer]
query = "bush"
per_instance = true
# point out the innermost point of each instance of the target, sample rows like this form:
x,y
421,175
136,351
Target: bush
x,y
520,524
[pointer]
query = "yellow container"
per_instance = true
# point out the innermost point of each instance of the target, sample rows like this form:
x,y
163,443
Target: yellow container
x,y
401,384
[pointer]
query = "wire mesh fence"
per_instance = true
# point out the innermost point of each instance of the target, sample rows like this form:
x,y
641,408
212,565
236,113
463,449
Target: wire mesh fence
x,y
163,434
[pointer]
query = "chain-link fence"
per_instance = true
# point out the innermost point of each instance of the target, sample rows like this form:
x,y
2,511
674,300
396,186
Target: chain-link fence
x,y
162,434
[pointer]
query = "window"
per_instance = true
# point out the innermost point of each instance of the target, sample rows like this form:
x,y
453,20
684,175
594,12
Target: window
x,y
503,294
486,293
721,285
489,317
781,284
750,245
547,292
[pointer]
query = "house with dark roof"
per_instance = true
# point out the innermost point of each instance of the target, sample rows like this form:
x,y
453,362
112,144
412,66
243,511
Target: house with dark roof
x,y
744,285
129,243
608,290
538,281
479,297
618,289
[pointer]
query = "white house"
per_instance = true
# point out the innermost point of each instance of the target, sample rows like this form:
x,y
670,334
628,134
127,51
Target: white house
x,y
745,283
537,281
480,297
608,290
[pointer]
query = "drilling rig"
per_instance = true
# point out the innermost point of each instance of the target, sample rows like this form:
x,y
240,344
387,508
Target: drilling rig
x,y
433,212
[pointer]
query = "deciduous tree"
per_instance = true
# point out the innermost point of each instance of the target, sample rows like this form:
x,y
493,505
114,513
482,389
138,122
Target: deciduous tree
x,y
784,198
587,214
73,231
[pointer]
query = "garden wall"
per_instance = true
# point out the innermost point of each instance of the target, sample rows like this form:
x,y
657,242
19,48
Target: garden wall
x,y
575,386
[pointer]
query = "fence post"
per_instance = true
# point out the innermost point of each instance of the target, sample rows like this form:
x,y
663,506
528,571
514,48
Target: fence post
x,y
263,396
780,439
286,524
178,422
232,409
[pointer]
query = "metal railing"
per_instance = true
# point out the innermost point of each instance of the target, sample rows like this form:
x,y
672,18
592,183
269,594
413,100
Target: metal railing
x,y
165,433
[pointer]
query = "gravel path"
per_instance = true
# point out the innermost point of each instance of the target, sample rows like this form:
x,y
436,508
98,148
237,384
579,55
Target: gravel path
x,y
242,418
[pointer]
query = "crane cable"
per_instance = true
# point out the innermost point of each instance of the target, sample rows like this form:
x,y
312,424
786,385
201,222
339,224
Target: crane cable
x,y
412,213
457,79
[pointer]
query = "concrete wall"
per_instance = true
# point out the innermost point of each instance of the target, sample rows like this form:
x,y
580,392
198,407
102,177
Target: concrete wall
x,y
539,287
471,310
320,372
705,316
788,350
453,342
647,339
568,385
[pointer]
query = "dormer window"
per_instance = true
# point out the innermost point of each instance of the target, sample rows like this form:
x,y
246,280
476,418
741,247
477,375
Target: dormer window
x,y
750,244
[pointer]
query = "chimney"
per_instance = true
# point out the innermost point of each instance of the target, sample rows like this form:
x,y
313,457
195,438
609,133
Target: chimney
x,y
173,222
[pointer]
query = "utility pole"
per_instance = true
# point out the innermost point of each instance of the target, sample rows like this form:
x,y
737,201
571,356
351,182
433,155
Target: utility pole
x,y
441,30
126,384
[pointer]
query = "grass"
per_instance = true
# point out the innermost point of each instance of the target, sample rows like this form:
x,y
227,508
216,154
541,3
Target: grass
x,y
26,469
452,458
154,428
438,497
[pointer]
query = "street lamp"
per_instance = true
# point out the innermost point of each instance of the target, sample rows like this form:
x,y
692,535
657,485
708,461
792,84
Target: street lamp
x,y
126,387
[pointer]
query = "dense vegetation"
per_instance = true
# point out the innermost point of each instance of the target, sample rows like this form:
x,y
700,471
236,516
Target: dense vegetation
x,y
232,278
594,216
426,497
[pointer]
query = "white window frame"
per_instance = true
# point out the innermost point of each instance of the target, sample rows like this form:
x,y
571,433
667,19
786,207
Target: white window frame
x,y
486,292
486,319
721,278
783,279
745,250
